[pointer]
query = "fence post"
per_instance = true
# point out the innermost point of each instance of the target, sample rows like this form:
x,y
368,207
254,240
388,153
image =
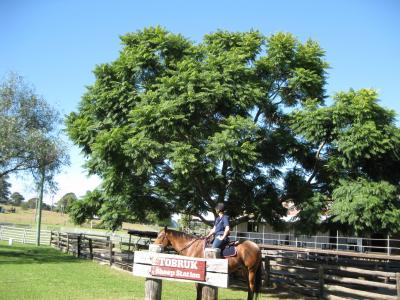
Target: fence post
x,y
321,281
1,232
337,239
388,245
111,245
90,248
24,238
67,242
263,238
153,287
209,292
79,246
398,285
58,241
267,268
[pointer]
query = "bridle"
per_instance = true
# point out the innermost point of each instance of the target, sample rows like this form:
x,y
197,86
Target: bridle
x,y
164,236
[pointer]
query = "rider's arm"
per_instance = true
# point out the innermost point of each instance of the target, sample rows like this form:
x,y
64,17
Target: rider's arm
x,y
226,232
212,231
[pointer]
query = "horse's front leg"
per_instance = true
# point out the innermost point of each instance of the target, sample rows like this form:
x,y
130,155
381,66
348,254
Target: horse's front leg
x,y
251,279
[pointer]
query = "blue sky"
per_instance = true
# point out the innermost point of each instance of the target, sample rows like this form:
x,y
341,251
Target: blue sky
x,y
56,44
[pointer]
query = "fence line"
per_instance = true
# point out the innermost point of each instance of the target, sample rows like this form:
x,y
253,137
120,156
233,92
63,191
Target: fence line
x,y
348,243
317,276
386,245
24,235
326,278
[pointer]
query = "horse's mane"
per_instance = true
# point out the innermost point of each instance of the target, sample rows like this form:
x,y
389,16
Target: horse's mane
x,y
181,234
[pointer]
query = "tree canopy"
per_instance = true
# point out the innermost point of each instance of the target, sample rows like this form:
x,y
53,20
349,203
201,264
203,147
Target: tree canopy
x,y
29,131
356,172
4,189
173,126
64,204
16,199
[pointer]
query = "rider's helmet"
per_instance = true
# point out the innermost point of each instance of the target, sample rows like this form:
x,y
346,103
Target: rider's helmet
x,y
220,207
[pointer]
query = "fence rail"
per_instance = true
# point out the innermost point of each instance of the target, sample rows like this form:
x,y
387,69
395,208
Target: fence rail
x,y
97,247
325,277
388,245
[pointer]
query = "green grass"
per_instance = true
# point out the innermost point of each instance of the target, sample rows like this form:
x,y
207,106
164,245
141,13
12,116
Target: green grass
x,y
29,272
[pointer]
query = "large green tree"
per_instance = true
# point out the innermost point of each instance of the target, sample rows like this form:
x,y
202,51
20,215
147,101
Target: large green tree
x,y
355,174
177,126
174,126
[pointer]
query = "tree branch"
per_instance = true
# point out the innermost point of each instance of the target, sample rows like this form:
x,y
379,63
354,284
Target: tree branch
x,y
205,195
241,219
258,114
204,220
316,162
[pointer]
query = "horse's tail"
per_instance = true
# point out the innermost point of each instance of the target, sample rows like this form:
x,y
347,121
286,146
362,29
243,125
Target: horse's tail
x,y
258,279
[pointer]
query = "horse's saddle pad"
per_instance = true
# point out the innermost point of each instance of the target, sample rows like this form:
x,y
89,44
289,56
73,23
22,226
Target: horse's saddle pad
x,y
229,251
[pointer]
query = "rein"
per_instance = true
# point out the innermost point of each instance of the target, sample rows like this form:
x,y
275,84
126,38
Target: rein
x,y
189,244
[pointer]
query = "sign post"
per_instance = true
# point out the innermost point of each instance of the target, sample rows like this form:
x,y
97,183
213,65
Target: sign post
x,y
209,292
210,273
153,287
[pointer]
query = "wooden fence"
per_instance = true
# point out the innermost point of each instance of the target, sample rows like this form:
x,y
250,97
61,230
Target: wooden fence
x,y
97,247
332,277
313,274
24,235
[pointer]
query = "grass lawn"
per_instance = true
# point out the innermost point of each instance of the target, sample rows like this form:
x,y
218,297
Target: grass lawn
x,y
29,272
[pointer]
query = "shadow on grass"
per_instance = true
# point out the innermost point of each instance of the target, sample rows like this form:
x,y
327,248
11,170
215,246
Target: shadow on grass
x,y
32,255
238,284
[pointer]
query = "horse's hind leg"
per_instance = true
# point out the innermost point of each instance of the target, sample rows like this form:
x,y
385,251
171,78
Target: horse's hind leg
x,y
251,284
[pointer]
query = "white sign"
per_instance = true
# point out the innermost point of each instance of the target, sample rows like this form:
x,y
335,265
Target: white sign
x,y
209,271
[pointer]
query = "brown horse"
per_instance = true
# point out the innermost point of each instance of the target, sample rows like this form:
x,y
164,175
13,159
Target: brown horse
x,y
248,256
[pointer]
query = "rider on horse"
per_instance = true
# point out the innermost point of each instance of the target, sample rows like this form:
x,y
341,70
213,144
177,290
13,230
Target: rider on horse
x,y
220,229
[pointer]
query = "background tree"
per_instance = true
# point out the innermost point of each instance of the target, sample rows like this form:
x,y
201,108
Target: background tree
x,y
25,119
30,204
63,205
16,199
4,189
31,138
174,126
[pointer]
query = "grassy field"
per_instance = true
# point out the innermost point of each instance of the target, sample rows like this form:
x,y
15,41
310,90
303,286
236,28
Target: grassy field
x,y
29,272
27,217
51,220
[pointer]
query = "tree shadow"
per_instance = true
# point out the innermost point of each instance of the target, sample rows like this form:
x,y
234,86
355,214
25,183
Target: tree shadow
x,y
28,255
239,284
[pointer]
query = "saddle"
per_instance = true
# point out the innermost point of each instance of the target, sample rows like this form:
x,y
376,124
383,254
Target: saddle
x,y
229,249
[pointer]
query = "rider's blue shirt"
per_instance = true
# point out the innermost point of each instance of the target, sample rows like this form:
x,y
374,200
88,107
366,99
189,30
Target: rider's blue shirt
x,y
220,224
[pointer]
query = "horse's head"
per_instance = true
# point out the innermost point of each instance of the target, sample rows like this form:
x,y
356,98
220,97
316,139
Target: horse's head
x,y
162,238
